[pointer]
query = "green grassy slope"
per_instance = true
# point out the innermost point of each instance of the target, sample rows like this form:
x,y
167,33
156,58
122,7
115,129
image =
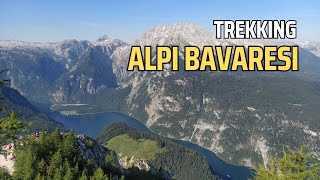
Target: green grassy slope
x,y
142,148
181,162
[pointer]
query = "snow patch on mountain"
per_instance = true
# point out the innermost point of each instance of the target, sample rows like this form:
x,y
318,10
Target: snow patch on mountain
x,y
179,34
312,46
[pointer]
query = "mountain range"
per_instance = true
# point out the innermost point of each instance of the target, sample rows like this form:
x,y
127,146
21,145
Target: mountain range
x,y
241,116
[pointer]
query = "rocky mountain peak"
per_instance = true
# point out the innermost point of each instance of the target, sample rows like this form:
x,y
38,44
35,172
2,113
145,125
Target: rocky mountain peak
x,y
312,46
179,34
103,38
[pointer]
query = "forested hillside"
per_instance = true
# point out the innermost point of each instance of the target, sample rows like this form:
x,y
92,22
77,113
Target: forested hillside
x,y
181,162
13,101
69,156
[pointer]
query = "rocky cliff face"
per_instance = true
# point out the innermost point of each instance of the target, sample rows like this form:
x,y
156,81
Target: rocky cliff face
x,y
60,72
90,149
141,164
241,116
96,153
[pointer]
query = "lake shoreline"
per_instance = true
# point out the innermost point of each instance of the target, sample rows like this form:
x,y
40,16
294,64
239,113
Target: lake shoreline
x,y
83,124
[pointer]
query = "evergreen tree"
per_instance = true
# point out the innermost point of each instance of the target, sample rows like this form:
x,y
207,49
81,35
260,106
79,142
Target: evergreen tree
x,y
71,172
55,163
25,165
42,167
56,139
55,156
111,160
295,164
39,177
10,127
58,175
99,175
69,150
84,175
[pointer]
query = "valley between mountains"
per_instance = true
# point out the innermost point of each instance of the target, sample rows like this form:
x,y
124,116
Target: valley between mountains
x,y
241,116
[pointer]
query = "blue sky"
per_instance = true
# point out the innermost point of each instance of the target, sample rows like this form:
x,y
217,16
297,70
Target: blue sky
x,y
78,19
